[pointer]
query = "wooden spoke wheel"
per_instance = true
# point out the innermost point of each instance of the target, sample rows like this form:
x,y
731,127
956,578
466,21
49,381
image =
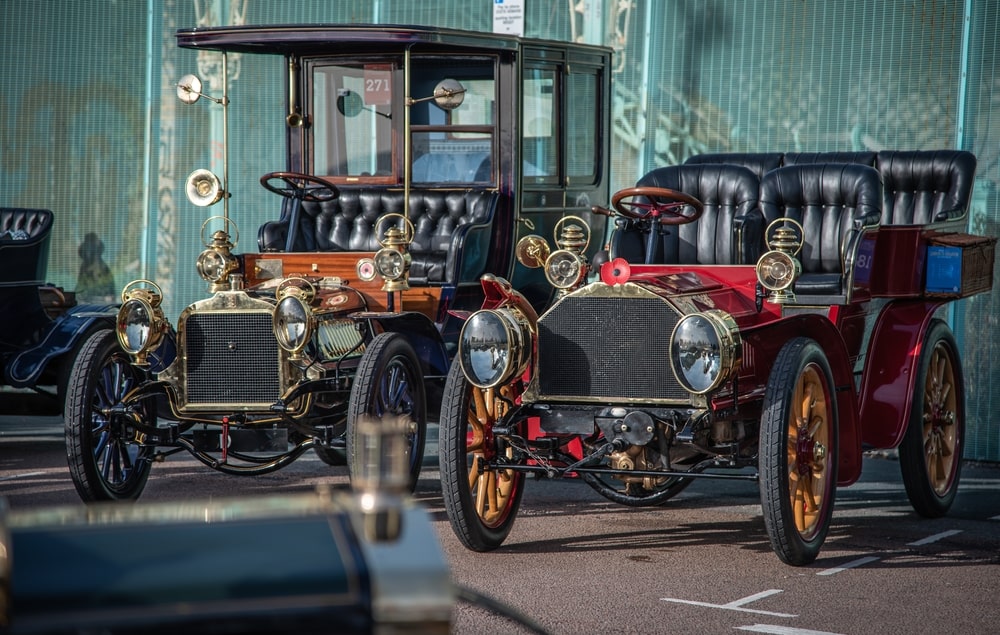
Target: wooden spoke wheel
x,y
481,501
930,455
798,453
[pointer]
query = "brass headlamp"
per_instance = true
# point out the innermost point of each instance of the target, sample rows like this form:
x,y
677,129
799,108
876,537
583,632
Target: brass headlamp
x,y
141,324
216,262
778,269
293,321
392,262
566,267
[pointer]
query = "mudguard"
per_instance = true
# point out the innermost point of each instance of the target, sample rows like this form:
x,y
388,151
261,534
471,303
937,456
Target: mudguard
x,y
422,334
66,332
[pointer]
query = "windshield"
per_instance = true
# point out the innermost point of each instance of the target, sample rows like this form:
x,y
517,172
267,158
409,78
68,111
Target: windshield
x,y
358,113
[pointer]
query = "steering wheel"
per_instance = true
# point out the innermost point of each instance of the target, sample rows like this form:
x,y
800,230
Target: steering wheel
x,y
668,207
295,186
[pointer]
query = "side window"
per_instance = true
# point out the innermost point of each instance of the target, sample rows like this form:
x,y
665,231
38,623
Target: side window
x,y
540,139
453,145
584,98
352,127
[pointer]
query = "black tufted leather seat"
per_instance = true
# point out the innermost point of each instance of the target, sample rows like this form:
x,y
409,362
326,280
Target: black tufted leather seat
x,y
443,223
798,158
24,245
728,232
921,187
759,163
835,203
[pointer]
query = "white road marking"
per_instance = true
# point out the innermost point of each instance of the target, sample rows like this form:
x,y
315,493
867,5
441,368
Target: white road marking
x,y
850,565
929,539
995,518
736,605
24,475
781,630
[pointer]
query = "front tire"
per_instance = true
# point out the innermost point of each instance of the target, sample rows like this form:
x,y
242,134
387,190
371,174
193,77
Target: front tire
x,y
106,462
798,453
389,382
481,504
930,455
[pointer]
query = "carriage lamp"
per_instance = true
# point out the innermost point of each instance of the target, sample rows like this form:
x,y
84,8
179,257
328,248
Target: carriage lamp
x,y
216,262
705,350
494,346
566,267
141,324
392,261
293,321
778,269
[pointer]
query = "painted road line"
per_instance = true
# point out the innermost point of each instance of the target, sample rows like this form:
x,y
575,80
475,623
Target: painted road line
x,y
995,518
850,565
929,539
24,475
781,630
736,605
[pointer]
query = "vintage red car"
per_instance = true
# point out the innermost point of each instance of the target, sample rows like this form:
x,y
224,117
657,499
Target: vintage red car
x,y
416,157
758,316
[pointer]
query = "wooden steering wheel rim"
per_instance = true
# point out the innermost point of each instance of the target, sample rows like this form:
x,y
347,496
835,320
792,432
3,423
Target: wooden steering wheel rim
x,y
664,213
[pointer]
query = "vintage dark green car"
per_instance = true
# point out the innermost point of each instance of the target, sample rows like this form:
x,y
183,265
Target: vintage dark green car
x,y
416,158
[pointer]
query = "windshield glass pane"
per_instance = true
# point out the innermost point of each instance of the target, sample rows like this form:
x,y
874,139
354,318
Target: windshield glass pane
x,y
352,123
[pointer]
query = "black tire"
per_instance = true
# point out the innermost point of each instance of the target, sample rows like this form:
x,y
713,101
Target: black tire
x,y
798,452
67,362
389,381
330,455
105,461
930,454
481,519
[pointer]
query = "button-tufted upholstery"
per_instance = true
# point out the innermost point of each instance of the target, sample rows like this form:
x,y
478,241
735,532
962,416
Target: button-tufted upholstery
x,y
443,222
798,158
757,162
835,203
24,245
728,232
921,187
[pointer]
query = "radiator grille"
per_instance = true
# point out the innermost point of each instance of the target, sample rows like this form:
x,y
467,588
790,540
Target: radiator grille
x,y
608,347
231,358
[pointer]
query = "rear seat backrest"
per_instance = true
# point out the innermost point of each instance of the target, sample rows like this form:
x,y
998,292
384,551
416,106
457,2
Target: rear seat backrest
x,y
929,186
24,244
834,203
757,162
798,158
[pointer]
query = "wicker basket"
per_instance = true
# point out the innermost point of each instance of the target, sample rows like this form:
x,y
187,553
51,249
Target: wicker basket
x,y
959,265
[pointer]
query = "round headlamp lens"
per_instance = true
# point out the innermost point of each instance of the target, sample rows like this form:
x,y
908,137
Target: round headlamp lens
x,y
777,270
389,263
564,269
291,324
211,265
135,326
704,351
493,347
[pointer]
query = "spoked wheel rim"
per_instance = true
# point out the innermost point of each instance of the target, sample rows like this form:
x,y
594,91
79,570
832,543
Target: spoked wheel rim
x,y
493,490
119,459
940,434
808,451
396,395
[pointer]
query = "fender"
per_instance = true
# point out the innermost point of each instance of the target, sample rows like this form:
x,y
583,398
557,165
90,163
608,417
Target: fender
x,y
67,330
768,339
421,332
887,379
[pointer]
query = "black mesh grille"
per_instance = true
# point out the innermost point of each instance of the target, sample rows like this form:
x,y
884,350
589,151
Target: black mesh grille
x,y
231,358
616,348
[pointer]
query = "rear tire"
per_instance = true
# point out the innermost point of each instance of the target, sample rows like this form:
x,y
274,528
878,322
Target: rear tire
x,y
106,462
798,452
930,455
